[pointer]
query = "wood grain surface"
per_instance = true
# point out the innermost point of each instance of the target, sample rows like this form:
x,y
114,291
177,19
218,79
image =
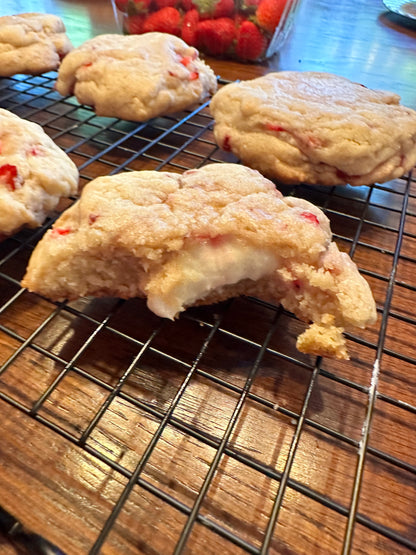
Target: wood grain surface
x,y
215,419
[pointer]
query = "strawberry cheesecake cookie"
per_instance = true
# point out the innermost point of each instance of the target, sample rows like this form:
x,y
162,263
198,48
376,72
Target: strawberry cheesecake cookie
x,y
31,43
136,77
316,128
202,237
34,174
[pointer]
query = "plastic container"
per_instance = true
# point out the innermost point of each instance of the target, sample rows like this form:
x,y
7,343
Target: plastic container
x,y
245,30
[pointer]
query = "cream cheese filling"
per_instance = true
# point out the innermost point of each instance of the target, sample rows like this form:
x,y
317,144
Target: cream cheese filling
x,y
202,268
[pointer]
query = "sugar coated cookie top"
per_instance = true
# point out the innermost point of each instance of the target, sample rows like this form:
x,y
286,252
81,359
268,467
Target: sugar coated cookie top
x,y
201,237
315,127
136,77
34,173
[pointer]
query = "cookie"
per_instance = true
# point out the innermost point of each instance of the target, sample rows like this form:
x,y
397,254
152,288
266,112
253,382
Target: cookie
x,y
31,43
136,77
34,174
315,128
202,237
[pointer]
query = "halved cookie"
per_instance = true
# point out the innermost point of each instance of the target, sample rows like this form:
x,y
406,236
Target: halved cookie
x,y
202,237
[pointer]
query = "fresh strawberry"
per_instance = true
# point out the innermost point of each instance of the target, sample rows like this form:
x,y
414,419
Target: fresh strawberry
x,y
9,176
215,36
251,43
166,20
165,3
223,8
133,25
187,5
189,26
214,8
269,12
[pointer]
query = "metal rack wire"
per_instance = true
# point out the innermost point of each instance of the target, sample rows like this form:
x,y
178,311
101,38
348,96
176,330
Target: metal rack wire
x,y
326,444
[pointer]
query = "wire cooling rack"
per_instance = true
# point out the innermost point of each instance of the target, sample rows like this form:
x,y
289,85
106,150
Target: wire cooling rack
x,y
124,433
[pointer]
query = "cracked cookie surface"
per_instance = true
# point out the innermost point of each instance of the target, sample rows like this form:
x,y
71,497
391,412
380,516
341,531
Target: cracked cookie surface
x,y
136,77
202,237
34,174
316,128
32,43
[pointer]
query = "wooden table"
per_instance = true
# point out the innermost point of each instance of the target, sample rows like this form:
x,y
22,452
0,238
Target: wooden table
x,y
123,434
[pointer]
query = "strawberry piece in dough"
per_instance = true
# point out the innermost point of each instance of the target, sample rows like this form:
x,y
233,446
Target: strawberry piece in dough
x,y
9,176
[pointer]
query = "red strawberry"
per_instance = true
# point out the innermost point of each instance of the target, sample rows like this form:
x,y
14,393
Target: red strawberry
x,y
239,19
36,150
189,25
224,8
214,8
310,217
166,20
269,13
186,60
251,43
187,5
56,231
9,176
297,284
226,145
133,25
92,218
275,127
165,3
215,36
